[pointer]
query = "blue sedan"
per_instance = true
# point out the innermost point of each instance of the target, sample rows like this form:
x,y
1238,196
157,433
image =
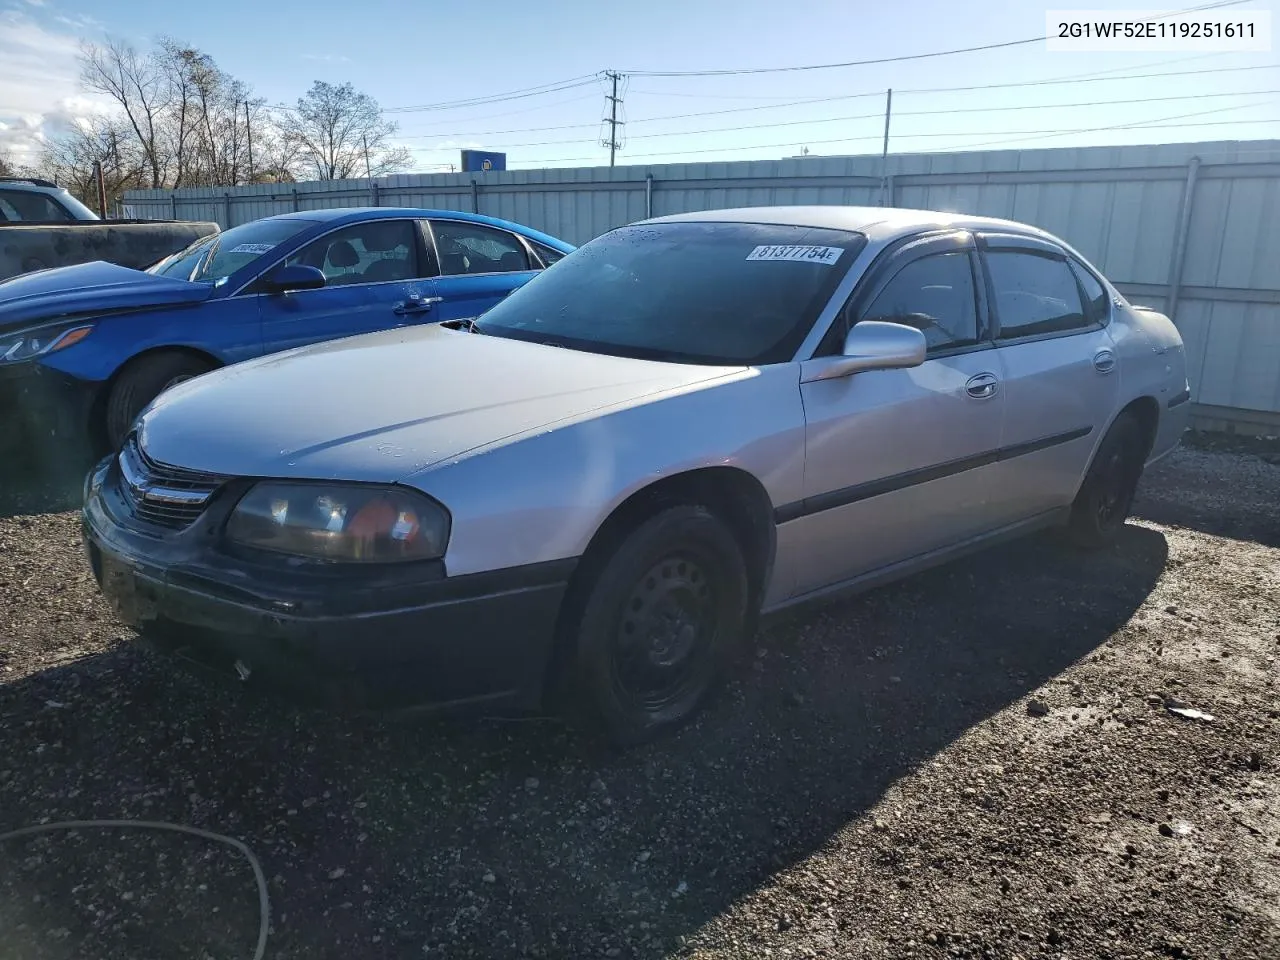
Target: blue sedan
x,y
83,349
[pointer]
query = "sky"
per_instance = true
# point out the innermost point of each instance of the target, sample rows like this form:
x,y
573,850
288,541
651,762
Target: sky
x,y
413,57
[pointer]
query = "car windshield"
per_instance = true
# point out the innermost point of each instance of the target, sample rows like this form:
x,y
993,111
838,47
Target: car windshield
x,y
212,259
690,292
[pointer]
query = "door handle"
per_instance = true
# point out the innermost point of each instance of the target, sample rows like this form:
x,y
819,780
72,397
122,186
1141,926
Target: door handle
x,y
1104,361
416,305
982,386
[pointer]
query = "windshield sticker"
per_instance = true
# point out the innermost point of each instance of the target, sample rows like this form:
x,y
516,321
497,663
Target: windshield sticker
x,y
827,255
251,248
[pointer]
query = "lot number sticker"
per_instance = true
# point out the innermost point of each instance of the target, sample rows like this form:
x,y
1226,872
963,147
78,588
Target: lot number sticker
x,y
827,255
251,248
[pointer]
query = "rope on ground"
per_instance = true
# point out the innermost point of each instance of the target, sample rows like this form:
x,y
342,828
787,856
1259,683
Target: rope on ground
x,y
264,901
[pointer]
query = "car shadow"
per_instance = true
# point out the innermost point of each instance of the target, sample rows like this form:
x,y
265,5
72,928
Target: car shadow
x,y
53,485
517,838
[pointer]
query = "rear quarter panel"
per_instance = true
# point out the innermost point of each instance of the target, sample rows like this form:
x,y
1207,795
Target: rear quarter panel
x,y
1153,363
544,496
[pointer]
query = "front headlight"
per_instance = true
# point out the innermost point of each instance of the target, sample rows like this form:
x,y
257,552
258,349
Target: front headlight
x,y
343,522
36,343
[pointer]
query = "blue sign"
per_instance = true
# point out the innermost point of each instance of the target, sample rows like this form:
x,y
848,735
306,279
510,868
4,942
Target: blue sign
x,y
480,160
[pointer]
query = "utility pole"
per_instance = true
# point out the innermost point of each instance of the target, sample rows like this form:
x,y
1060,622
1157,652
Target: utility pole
x,y
102,189
368,170
612,143
248,132
884,152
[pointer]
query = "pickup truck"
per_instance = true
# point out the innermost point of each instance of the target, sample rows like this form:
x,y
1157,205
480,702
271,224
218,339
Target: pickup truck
x,y
42,225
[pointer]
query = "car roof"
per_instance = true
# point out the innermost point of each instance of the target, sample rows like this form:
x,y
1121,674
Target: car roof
x,y
877,223
30,186
337,215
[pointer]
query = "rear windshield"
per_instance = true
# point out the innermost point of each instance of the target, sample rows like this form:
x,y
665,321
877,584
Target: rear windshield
x,y
685,292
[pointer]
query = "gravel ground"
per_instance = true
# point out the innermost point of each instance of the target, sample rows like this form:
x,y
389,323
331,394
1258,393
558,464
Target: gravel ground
x,y
978,762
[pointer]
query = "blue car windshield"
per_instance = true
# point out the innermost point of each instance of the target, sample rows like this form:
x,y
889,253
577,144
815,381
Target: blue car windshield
x,y
686,292
214,258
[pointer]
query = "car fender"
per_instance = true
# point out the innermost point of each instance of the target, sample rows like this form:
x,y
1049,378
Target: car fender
x,y
226,331
543,497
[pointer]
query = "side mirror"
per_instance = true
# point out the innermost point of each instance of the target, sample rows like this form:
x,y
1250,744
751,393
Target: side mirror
x,y
294,276
874,345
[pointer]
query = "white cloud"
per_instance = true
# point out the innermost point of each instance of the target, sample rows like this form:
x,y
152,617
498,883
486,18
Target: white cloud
x,y
40,93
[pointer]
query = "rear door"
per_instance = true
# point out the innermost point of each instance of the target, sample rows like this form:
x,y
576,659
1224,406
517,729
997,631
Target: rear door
x,y
479,265
899,463
1061,372
378,275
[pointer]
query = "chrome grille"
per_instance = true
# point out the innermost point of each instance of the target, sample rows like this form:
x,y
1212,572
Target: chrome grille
x,y
160,494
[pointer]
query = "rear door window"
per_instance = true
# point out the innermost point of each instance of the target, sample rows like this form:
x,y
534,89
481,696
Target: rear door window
x,y
465,248
1097,303
1034,294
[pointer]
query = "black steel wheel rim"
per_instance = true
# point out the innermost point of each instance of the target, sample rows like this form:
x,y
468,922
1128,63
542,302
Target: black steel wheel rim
x,y
1112,491
666,633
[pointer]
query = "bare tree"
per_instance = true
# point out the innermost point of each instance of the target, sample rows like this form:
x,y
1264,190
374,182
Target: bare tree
x,y
139,85
69,160
339,132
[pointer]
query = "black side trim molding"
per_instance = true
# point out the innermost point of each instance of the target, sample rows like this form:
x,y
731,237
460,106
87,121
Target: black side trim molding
x,y
1180,399
900,481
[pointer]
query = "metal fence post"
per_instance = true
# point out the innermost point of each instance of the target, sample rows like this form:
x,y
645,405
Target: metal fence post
x,y
890,192
295,200
226,211
1178,260
373,191
475,196
648,195
173,206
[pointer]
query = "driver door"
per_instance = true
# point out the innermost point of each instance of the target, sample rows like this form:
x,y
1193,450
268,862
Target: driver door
x,y
377,276
899,463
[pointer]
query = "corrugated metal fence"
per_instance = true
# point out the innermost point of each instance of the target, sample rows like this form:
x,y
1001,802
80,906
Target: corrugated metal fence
x,y
1191,229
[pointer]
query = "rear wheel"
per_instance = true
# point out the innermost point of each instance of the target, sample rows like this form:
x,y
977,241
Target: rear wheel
x,y
659,626
140,383
1106,496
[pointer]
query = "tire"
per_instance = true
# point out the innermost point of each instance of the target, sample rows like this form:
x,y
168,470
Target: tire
x,y
1106,495
659,626
140,383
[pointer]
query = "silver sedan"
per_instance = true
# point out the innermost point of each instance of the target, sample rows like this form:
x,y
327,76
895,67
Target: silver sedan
x,y
591,493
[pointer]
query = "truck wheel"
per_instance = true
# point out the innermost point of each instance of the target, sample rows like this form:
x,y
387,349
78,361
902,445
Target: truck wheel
x,y
661,621
140,383
1106,496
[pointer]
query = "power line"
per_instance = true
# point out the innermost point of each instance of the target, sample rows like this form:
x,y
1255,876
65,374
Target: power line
x,y
525,93
1155,123
859,96
1092,73
745,71
538,91
521,111
880,113
830,66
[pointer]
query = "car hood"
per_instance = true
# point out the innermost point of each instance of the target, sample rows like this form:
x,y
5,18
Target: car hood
x,y
89,288
384,406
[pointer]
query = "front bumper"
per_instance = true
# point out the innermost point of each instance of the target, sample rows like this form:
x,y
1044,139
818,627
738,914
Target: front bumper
x,y
356,638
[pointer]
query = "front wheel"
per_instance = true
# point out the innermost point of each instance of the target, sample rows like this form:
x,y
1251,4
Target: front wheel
x,y
660,624
140,383
1106,496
